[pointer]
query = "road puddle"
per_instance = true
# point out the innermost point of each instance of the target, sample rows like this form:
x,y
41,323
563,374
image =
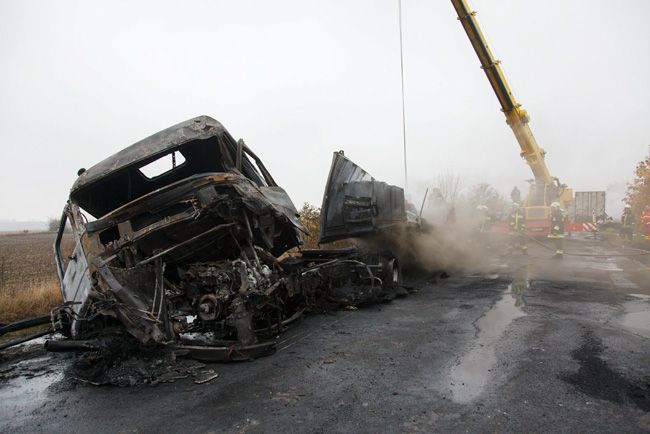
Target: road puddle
x,y
623,282
637,315
607,265
24,384
25,394
472,374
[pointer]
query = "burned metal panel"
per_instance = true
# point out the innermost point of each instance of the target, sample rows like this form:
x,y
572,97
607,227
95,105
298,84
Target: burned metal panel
x,y
282,203
357,205
203,142
76,286
74,278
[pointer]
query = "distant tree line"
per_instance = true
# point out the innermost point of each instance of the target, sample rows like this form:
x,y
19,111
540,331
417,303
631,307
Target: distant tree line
x,y
53,224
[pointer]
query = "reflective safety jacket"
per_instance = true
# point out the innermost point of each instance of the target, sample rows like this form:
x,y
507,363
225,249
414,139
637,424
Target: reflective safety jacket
x,y
645,217
517,221
627,219
484,224
557,224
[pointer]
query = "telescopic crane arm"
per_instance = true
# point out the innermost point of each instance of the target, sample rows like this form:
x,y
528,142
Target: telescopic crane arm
x,y
516,117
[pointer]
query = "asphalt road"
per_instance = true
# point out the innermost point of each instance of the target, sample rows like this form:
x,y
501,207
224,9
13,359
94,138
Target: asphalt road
x,y
529,344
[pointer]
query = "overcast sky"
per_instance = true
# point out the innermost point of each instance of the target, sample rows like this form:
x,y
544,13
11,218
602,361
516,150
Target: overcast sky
x,y
297,80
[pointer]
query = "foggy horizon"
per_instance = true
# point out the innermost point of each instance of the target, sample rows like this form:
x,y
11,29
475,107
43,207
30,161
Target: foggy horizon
x,y
83,80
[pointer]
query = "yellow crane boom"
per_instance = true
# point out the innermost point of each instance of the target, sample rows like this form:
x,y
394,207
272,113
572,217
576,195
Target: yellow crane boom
x,y
517,118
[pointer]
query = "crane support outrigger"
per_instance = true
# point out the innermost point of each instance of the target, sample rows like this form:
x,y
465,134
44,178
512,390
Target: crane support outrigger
x,y
545,188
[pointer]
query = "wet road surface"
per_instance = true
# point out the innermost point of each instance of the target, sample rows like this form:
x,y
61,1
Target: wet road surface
x,y
529,344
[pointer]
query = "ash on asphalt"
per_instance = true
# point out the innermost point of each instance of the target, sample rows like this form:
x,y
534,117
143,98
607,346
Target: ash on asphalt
x,y
596,379
574,362
135,368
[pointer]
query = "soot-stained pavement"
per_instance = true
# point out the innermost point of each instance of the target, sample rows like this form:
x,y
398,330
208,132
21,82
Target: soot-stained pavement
x,y
528,344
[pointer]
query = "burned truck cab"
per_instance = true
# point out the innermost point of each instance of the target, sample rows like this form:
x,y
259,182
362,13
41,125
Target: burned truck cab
x,y
184,239
177,232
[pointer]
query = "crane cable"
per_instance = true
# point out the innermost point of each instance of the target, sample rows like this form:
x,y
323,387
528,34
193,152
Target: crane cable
x,y
401,64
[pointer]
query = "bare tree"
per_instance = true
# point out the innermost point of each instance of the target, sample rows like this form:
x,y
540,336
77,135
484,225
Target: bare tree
x,y
485,194
53,224
449,185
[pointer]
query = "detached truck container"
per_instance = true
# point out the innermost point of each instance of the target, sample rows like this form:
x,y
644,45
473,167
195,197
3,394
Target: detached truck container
x,y
586,209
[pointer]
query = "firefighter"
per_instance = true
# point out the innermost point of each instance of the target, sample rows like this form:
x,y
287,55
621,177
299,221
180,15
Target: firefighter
x,y
483,218
627,223
645,219
518,227
557,229
515,195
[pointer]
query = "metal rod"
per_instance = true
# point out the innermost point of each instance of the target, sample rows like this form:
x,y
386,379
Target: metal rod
x,y
25,339
72,345
401,64
186,242
424,200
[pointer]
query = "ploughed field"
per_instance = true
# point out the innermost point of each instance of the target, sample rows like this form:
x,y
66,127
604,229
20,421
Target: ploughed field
x,y
28,282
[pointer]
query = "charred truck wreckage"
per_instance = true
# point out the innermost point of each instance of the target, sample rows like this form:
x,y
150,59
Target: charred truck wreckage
x,y
204,254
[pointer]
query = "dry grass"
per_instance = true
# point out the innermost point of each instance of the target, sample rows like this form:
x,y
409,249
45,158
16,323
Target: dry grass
x,y
28,282
33,300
